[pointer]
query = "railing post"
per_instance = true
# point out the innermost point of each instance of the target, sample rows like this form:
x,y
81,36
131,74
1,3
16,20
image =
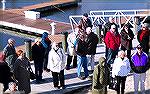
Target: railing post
x,y
53,28
28,49
3,4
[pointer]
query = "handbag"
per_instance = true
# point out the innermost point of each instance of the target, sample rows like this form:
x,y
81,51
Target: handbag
x,y
32,75
113,83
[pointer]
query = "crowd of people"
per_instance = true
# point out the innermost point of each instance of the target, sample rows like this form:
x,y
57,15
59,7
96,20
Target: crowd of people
x,y
119,59
82,43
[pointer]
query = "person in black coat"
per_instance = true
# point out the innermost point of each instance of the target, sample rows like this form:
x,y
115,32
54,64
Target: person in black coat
x,y
92,41
81,50
47,45
126,39
5,74
38,57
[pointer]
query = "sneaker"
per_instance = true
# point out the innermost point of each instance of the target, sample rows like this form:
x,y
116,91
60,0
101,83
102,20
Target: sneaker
x,y
56,87
47,70
82,78
63,87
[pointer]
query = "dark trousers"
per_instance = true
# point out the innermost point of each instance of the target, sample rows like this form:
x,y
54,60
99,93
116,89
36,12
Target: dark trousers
x,y
106,52
111,56
45,62
128,51
69,60
58,77
121,81
38,69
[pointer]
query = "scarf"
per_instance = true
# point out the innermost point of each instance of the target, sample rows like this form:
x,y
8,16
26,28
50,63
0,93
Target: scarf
x,y
144,33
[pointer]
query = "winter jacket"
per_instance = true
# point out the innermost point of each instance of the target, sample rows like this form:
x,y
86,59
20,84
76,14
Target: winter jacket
x,y
81,48
112,41
126,39
71,39
92,41
56,60
143,39
140,63
22,74
100,77
38,52
85,23
121,67
10,55
5,74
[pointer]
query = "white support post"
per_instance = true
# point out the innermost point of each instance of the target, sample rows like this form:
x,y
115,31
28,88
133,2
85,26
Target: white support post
x,y
53,28
3,5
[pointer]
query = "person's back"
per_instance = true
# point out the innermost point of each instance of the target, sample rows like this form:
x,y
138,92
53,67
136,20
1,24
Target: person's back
x,y
92,41
71,39
38,52
100,77
21,72
10,53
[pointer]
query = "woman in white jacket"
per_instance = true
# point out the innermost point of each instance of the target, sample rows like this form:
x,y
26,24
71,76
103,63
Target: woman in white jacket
x,y
56,63
120,70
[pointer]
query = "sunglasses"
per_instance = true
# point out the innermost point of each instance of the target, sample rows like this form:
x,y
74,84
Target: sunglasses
x,y
139,48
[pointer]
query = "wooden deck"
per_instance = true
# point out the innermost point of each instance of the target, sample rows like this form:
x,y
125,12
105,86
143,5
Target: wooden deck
x,y
18,21
15,18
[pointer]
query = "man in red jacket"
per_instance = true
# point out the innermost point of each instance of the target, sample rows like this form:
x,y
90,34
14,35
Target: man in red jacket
x,y
112,41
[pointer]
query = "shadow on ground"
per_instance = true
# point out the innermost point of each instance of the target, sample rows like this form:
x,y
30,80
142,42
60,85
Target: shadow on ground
x,y
146,92
70,88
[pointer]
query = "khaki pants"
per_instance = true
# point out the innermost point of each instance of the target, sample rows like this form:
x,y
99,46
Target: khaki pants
x,y
139,78
1,88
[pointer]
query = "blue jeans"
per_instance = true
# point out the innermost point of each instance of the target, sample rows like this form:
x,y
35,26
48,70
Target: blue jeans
x,y
111,56
82,62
